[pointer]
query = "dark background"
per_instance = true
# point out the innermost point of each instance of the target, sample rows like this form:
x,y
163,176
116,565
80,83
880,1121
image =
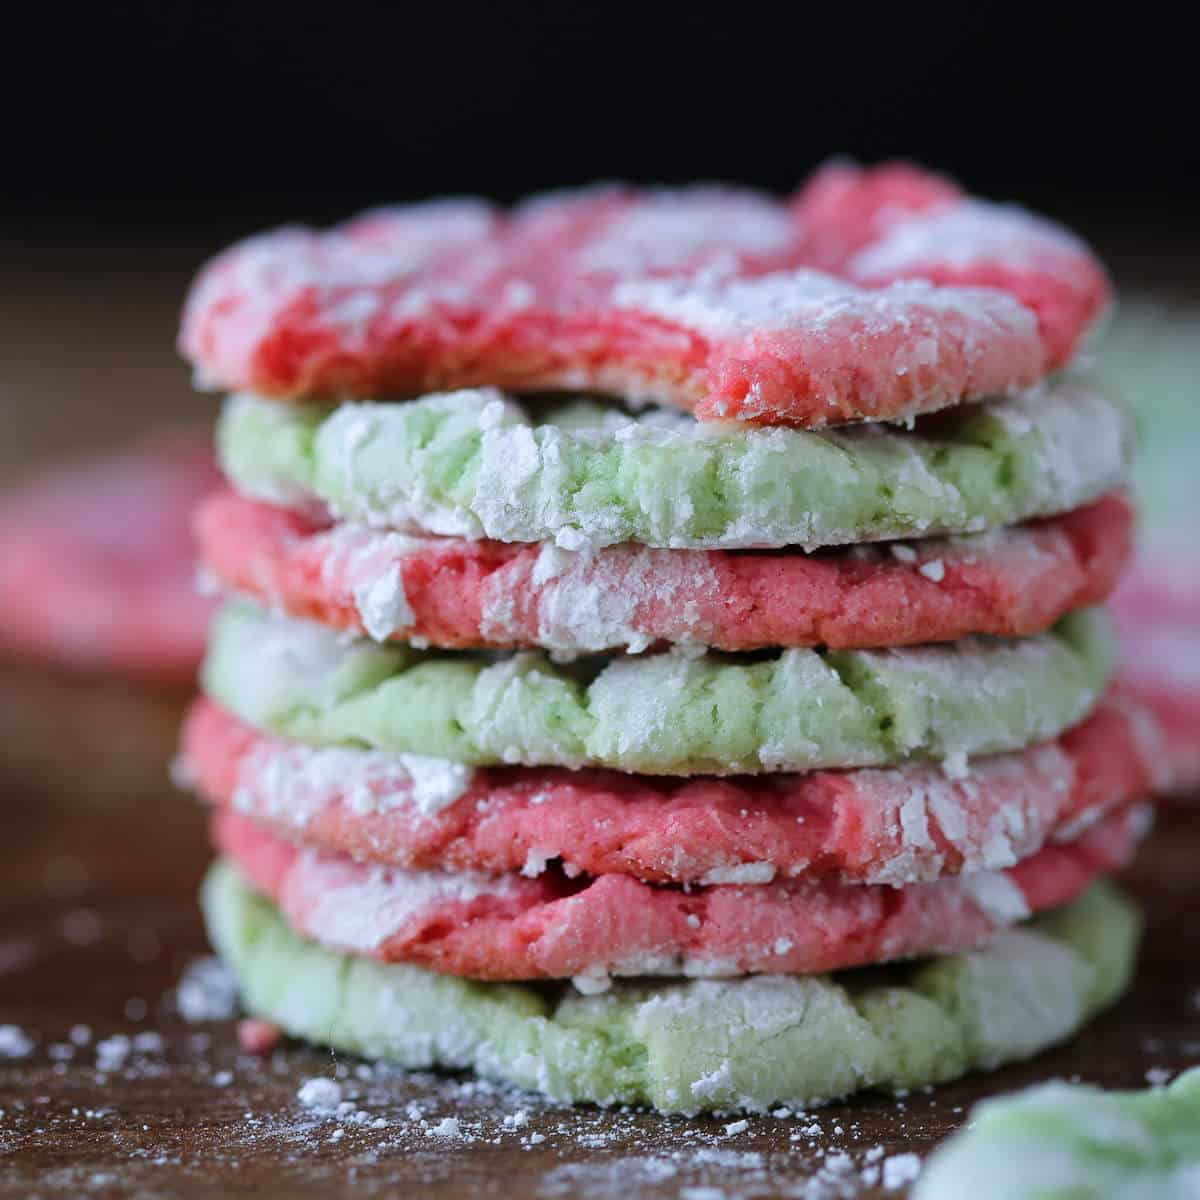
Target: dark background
x,y
202,120
139,138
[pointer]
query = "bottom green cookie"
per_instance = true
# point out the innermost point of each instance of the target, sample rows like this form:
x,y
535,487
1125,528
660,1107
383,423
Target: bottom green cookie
x,y
1068,1142
698,1044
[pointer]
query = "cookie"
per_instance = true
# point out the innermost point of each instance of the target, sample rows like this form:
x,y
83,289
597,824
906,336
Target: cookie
x,y
695,1045
516,927
893,222
1150,353
1153,352
97,566
456,594
1157,610
475,464
707,299
1071,1140
670,713
900,825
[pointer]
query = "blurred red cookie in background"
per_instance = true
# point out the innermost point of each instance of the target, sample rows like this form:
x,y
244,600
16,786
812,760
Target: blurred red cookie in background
x,y
97,561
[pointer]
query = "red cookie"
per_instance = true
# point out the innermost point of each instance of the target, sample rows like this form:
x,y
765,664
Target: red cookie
x,y
97,561
895,222
895,826
719,301
453,593
1157,608
513,927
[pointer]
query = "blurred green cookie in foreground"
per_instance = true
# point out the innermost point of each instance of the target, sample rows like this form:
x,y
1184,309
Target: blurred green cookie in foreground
x,y
1064,1142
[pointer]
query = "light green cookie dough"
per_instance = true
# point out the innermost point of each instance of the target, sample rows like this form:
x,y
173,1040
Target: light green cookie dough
x,y
670,713
474,464
701,1044
1063,1142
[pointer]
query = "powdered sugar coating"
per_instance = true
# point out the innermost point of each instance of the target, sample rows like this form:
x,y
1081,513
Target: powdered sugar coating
x,y
463,593
751,1043
514,927
892,222
892,352
354,909
405,300
896,826
369,567
997,895
474,464
1043,265
1079,1140
670,713
292,784
964,236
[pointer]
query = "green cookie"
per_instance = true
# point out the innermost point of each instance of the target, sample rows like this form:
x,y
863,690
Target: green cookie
x,y
1152,352
667,713
700,1044
1059,1142
474,464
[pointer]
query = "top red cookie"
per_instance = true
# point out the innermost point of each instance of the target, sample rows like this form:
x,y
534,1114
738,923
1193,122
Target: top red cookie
x,y
872,294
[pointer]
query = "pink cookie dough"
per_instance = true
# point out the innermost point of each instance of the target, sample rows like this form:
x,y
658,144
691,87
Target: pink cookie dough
x,y
551,927
897,222
872,295
896,826
452,593
97,560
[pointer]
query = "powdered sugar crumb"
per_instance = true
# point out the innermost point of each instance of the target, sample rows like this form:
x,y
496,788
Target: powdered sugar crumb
x,y
320,1093
447,1127
900,1170
395,1127
207,991
14,1042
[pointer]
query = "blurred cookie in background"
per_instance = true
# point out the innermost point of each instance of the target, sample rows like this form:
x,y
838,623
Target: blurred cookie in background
x,y
1152,352
101,625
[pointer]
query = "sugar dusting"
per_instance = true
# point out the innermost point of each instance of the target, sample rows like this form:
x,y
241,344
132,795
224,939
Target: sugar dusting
x,y
371,565
207,991
325,1122
589,602
291,781
819,304
549,479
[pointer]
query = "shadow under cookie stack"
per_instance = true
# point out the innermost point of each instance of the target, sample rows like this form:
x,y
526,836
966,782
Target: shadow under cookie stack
x,y
648,614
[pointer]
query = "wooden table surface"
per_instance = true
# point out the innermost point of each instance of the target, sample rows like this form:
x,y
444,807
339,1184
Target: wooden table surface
x,y
100,861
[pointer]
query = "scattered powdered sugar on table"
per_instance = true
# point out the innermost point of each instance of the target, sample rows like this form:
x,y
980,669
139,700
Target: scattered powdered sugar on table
x,y
320,1093
386,1131
207,991
333,1121
900,1170
14,1042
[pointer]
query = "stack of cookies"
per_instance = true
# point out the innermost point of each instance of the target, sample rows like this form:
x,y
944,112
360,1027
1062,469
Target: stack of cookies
x,y
651,613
